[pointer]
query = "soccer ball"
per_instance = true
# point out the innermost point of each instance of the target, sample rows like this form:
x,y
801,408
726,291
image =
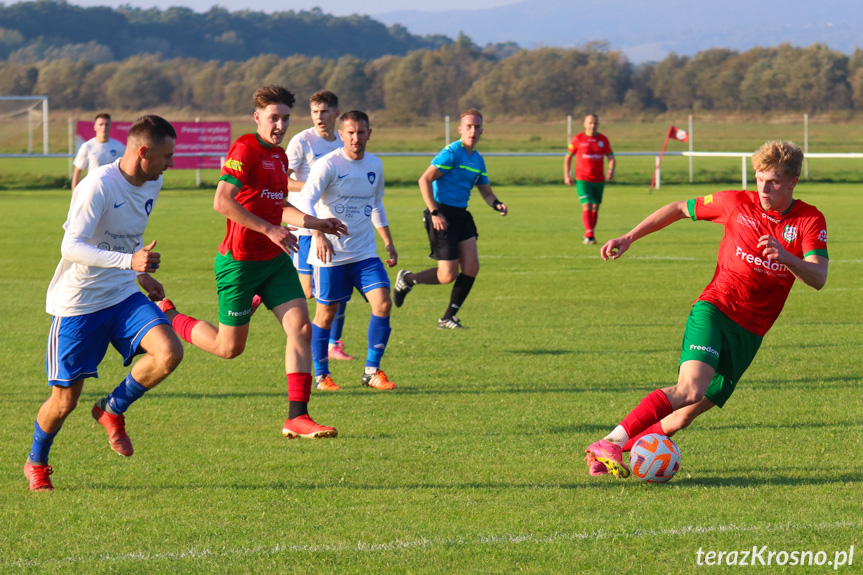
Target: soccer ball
x,y
654,458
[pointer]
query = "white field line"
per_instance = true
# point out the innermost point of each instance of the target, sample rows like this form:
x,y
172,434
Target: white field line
x,y
397,545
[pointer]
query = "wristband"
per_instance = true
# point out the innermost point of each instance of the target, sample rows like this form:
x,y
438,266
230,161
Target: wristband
x,y
434,212
496,205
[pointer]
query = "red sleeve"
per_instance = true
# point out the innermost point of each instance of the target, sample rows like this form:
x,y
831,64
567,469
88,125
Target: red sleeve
x,y
815,236
714,207
573,146
608,147
238,164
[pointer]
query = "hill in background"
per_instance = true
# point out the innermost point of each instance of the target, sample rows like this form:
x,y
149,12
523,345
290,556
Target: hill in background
x,y
648,30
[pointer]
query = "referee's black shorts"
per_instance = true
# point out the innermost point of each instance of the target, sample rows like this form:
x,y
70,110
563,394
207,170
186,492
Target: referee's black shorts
x,y
460,227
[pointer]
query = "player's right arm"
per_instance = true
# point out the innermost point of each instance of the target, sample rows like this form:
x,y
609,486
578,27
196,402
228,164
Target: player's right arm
x,y
77,176
659,219
430,175
225,202
567,170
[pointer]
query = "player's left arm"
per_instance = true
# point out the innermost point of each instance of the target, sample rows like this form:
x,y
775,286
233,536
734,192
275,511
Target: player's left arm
x,y
811,270
491,199
155,290
387,237
609,175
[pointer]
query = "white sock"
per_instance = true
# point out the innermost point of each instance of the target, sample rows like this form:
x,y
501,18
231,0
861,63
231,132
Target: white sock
x,y
618,437
371,370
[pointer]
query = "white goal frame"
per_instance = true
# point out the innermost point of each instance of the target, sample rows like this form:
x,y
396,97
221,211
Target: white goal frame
x,y
44,100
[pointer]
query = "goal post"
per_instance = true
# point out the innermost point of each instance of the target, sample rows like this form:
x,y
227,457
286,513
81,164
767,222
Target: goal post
x,y
13,113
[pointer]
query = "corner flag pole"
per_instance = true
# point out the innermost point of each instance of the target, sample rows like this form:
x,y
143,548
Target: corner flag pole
x,y
659,163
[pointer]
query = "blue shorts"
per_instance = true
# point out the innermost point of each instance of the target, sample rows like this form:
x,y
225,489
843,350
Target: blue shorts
x,y
77,345
301,257
335,284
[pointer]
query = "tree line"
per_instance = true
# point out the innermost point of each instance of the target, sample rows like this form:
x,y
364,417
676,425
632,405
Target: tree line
x,y
32,31
432,82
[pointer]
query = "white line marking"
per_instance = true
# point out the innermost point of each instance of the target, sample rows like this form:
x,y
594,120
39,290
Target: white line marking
x,y
362,547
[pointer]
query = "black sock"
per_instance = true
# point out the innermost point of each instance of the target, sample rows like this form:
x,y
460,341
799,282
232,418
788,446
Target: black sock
x,y
297,408
460,290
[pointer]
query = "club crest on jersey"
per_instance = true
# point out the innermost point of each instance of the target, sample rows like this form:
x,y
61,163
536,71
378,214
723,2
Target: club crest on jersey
x,y
789,234
368,211
822,236
601,144
372,177
148,207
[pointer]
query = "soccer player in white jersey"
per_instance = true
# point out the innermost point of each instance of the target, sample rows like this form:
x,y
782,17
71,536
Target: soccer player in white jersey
x,y
303,150
94,298
98,151
348,184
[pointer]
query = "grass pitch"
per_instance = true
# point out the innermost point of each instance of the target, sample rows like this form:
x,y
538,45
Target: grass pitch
x,y
474,464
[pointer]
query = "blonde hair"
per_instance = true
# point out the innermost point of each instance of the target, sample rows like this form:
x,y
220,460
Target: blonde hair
x,y
778,155
471,112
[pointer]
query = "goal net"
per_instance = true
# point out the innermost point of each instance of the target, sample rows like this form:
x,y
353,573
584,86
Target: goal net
x,y
23,124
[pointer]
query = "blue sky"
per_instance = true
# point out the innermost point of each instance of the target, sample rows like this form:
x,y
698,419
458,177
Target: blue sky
x,y
337,7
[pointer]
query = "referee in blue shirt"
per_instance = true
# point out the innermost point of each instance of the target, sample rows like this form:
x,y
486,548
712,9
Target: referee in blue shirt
x,y
445,188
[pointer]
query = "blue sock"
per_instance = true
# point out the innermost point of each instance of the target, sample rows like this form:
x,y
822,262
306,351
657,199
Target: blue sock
x,y
320,337
379,335
41,445
338,323
124,394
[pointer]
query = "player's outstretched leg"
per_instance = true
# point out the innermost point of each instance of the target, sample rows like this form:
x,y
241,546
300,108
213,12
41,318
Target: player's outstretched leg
x,y
378,336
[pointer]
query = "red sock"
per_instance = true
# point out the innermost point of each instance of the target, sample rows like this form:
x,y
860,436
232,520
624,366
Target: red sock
x,y
183,325
593,217
655,428
299,387
588,226
651,410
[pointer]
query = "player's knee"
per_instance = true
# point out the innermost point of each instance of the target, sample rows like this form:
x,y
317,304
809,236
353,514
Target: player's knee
x,y
173,357
303,334
65,405
383,308
470,269
445,276
232,350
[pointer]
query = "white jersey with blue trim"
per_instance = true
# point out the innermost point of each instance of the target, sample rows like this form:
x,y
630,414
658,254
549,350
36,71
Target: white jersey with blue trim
x,y
112,215
304,149
93,153
350,190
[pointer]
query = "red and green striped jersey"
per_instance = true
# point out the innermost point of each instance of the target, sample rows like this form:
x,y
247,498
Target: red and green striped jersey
x,y
260,171
748,288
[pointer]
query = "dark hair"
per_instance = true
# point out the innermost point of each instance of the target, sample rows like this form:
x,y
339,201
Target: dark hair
x,y
272,94
355,116
105,115
151,129
325,98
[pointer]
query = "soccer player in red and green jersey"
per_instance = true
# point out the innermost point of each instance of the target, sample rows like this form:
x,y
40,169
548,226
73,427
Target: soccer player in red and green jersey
x,y
254,258
590,149
770,241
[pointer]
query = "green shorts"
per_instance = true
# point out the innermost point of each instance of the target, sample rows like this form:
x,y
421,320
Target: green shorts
x,y
275,280
589,192
711,337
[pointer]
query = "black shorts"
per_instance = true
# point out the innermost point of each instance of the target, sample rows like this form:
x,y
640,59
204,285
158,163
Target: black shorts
x,y
460,227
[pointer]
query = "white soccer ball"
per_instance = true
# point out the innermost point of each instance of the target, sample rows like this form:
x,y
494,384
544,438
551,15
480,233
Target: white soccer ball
x,y
654,458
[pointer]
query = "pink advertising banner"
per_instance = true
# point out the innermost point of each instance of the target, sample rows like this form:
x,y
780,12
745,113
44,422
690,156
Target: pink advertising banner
x,y
192,138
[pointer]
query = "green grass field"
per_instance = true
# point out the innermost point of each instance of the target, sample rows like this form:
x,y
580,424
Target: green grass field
x,y
474,464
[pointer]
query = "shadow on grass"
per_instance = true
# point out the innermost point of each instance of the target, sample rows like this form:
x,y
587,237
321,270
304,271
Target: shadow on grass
x,y
589,483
